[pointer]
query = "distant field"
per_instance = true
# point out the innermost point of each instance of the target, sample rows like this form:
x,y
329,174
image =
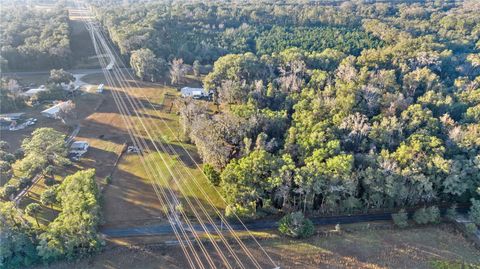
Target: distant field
x,y
358,247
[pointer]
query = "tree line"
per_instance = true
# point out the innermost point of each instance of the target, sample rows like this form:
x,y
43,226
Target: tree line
x,y
205,31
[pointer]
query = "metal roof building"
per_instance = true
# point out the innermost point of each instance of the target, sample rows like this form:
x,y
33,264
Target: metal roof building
x,y
193,92
52,112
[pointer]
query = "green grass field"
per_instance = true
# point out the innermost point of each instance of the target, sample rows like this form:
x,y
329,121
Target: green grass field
x,y
362,246
164,128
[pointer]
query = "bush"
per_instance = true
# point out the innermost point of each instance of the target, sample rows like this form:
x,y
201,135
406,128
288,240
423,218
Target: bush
x,y
19,154
421,216
49,181
474,212
7,191
400,219
4,146
296,225
7,157
427,215
212,175
452,212
241,211
108,179
49,197
471,228
24,181
433,214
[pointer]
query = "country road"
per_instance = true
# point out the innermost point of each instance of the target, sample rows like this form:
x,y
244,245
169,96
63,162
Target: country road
x,y
255,225
252,226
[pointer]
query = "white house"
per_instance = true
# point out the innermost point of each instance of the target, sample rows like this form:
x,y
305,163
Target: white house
x,y
195,93
52,112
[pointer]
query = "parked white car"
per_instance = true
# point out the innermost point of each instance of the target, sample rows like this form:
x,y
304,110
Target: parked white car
x,y
133,149
31,121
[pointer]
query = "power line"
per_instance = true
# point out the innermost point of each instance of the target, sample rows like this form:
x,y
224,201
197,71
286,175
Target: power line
x,y
135,141
135,108
229,248
119,77
199,185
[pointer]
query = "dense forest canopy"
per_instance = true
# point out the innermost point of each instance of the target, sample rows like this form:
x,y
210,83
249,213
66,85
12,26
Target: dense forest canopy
x,y
34,38
392,125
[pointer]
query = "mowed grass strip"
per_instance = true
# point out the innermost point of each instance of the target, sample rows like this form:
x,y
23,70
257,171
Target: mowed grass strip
x,y
186,184
417,248
378,248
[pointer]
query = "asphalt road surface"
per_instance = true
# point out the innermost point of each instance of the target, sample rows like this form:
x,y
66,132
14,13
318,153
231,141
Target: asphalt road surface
x,y
254,226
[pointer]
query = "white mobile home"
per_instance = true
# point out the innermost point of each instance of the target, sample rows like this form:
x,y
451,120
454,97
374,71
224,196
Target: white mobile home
x,y
195,93
32,92
11,116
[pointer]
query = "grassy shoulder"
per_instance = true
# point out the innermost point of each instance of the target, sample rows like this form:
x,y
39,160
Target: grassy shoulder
x,y
371,246
366,245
